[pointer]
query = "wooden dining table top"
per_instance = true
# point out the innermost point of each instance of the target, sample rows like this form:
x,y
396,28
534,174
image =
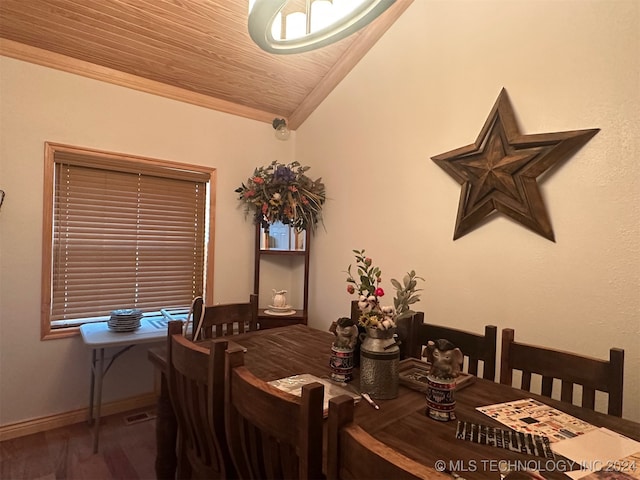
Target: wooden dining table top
x,y
402,422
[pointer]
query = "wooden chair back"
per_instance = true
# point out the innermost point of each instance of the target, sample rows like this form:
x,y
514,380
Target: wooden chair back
x,y
355,311
571,369
474,346
211,321
352,453
272,434
196,388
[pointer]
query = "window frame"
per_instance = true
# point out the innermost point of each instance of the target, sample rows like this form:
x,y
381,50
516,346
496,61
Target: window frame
x,y
51,149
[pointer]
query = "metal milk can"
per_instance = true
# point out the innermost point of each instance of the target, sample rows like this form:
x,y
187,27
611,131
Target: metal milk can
x,y
379,363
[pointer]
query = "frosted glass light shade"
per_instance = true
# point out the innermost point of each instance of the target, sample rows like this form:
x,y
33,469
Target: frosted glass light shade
x,y
296,25
321,15
334,21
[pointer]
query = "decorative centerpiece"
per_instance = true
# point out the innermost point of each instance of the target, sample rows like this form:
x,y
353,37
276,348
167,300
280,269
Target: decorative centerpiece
x,y
445,360
283,193
379,351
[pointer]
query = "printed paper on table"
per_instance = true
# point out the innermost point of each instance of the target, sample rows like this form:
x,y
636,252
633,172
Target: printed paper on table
x,y
532,416
294,384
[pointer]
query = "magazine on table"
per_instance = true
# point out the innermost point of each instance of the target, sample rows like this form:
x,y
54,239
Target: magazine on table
x,y
294,384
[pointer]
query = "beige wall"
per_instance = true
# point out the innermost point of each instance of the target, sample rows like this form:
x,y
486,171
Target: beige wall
x,y
426,88
39,104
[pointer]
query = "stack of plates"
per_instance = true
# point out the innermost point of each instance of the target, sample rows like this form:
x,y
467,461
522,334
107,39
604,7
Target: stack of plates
x,y
126,320
286,310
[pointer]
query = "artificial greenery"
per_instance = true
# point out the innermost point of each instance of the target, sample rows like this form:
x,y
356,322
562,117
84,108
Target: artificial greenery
x,y
367,284
282,192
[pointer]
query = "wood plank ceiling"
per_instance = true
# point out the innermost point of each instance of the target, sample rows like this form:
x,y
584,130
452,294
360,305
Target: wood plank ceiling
x,y
197,51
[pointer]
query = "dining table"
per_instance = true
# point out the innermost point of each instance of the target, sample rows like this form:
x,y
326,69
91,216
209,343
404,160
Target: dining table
x,y
401,422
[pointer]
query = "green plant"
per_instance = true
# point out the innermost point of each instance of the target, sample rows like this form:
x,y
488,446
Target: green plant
x,y
283,193
366,283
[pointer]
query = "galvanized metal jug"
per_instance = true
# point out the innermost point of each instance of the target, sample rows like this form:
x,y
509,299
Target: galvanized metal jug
x,y
379,363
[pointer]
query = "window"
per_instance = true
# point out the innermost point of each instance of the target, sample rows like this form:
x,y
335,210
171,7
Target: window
x,y
121,232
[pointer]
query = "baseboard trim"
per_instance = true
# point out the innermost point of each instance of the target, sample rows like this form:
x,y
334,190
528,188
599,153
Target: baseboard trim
x,y
37,425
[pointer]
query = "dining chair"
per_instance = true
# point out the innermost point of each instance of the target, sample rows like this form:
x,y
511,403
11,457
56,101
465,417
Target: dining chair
x,y
272,434
475,347
352,453
196,389
592,374
211,321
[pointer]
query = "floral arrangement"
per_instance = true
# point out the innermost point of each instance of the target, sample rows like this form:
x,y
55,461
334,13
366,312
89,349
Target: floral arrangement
x,y
367,286
283,193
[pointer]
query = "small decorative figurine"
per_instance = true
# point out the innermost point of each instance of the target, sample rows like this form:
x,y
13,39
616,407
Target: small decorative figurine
x,y
444,357
446,361
346,333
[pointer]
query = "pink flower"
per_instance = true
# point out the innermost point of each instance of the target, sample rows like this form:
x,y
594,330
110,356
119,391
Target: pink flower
x,y
350,288
379,292
249,193
367,261
258,180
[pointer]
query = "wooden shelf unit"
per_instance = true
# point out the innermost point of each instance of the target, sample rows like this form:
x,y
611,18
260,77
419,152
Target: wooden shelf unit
x,y
271,321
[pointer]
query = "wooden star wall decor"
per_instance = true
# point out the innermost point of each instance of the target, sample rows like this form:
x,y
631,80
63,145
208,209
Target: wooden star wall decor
x,y
498,172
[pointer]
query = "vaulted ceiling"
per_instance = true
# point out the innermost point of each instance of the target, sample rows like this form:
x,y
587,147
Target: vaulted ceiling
x,y
196,51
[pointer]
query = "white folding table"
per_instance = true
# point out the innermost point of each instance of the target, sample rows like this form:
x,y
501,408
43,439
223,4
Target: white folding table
x,y
98,337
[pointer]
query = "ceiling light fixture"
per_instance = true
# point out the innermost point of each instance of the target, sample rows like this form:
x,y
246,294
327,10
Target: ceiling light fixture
x,y
295,26
280,126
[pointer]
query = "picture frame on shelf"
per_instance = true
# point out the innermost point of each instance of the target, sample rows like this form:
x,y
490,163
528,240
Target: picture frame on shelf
x,y
276,237
298,240
283,238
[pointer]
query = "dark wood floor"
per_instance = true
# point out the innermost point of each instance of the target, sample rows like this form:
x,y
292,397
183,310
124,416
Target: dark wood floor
x,y
127,452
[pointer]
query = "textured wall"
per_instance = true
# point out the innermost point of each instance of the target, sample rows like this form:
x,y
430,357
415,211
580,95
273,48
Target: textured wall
x,y
38,104
426,88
